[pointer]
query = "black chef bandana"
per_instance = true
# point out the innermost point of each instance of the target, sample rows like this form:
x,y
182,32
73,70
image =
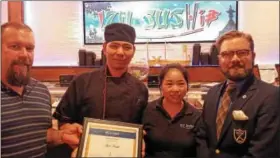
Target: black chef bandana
x,y
119,32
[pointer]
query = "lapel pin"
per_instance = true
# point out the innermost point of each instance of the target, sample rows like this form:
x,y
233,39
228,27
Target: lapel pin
x,y
244,96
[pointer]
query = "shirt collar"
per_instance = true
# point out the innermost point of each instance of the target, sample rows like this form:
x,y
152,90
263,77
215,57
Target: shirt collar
x,y
27,88
238,84
4,87
108,73
187,110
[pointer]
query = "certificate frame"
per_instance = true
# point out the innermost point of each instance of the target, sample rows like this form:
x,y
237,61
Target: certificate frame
x,y
114,139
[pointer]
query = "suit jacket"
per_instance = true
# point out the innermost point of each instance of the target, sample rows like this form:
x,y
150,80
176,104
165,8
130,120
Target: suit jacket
x,y
257,137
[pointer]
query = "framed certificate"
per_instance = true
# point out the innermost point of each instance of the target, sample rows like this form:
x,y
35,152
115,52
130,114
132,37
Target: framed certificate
x,y
102,138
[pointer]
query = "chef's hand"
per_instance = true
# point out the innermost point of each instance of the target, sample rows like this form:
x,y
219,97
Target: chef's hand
x,y
72,134
74,153
143,145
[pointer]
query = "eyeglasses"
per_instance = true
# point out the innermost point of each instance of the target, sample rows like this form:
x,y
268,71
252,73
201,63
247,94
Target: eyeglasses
x,y
239,53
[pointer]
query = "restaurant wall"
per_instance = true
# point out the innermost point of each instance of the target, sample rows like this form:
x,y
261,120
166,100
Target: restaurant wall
x,y
58,27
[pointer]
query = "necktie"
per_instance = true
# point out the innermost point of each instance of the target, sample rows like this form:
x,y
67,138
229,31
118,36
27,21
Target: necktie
x,y
223,109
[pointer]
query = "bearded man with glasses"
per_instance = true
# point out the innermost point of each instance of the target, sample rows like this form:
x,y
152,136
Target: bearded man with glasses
x,y
241,115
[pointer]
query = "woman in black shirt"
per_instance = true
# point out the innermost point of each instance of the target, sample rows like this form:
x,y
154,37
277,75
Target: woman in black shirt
x,y
170,122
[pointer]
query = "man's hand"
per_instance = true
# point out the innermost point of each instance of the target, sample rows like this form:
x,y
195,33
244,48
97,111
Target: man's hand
x,y
71,134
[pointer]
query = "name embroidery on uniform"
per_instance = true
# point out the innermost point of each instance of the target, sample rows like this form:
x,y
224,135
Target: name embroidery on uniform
x,y
186,126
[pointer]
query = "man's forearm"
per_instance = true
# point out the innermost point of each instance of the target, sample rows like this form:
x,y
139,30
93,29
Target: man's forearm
x,y
54,137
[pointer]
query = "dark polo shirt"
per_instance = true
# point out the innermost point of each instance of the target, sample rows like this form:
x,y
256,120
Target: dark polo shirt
x,y
168,137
